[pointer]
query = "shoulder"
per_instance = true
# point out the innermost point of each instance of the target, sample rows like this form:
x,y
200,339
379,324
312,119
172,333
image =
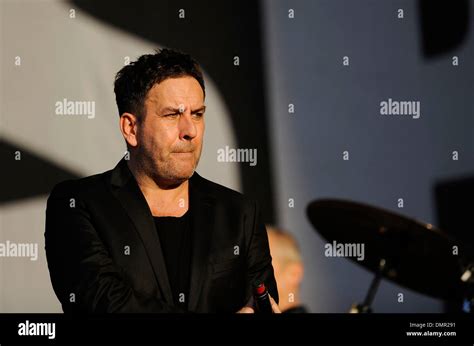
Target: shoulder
x,y
221,193
79,187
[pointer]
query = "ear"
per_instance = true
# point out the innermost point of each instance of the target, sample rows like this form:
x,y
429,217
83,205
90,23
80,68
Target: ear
x,y
128,127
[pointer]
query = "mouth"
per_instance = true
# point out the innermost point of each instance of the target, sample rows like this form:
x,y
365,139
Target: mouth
x,y
183,152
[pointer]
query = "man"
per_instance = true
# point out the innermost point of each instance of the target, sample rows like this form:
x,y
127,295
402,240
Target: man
x,y
151,235
289,269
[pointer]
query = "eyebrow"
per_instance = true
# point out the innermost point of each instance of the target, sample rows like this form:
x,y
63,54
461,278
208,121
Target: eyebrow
x,y
176,110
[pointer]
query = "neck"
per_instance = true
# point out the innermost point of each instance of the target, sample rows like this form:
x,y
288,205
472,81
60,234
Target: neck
x,y
162,199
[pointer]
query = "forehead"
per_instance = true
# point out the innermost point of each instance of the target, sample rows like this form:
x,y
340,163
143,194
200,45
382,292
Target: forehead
x,y
175,91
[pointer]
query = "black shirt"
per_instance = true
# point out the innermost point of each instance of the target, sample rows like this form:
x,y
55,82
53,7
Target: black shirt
x,y
175,239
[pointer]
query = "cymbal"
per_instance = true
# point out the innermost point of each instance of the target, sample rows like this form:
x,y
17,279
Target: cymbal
x,y
416,255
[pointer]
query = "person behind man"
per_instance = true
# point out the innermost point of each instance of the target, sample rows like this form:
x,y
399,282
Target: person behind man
x,y
152,235
289,269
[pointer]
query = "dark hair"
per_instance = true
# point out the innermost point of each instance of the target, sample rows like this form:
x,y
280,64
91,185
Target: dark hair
x,y
133,81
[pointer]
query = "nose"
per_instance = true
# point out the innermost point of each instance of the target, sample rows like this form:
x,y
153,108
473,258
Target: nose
x,y
187,128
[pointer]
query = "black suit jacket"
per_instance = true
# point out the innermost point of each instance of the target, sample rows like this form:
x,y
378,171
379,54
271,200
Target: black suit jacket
x,y
104,254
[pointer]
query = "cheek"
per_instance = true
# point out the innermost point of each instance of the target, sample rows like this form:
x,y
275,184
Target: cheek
x,y
202,128
158,137
200,133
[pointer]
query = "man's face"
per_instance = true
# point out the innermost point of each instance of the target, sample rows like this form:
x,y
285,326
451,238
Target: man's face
x,y
171,132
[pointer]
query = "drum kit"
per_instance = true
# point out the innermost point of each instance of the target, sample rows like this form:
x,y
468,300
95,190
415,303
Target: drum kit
x,y
407,252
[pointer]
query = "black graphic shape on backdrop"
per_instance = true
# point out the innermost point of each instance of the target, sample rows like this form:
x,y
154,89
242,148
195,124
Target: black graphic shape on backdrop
x,y
213,32
31,176
454,208
444,25
453,199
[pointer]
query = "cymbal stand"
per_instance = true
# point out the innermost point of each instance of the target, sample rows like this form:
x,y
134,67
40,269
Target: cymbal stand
x,y
365,307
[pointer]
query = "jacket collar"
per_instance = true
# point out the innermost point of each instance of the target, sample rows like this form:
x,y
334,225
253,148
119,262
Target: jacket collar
x,y
202,208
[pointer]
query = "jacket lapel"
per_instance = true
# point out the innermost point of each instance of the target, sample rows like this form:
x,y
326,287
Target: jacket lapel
x,y
202,207
127,191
